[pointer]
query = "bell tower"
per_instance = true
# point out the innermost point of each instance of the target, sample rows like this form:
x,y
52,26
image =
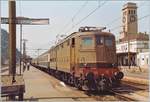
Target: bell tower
x,y
129,19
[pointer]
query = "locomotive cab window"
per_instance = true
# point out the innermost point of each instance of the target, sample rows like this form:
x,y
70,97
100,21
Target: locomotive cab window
x,y
73,42
99,40
87,41
108,41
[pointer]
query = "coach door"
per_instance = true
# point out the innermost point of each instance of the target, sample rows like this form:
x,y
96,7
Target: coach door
x,y
72,55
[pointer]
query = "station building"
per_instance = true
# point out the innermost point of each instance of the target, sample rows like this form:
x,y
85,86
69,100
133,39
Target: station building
x,y
132,46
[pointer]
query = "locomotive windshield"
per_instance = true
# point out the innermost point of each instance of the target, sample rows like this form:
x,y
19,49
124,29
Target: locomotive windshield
x,y
101,40
108,41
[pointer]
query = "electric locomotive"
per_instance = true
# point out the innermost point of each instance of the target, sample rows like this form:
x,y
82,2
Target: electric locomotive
x,y
86,59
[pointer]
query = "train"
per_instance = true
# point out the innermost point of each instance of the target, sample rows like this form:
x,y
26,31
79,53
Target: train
x,y
85,59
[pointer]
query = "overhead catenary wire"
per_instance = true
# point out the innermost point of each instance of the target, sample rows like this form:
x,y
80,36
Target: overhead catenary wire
x,y
80,9
131,22
20,8
114,20
73,17
119,18
84,18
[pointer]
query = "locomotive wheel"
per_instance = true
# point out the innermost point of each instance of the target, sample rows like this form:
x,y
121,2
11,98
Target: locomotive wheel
x,y
91,82
69,80
65,77
78,84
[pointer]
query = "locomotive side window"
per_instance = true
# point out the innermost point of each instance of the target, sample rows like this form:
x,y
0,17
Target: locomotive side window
x,y
68,42
87,41
73,42
99,40
108,41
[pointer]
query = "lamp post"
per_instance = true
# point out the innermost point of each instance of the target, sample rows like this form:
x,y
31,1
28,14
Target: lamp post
x,y
20,46
128,51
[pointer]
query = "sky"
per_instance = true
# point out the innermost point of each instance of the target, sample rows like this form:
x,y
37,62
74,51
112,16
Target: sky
x,y
64,17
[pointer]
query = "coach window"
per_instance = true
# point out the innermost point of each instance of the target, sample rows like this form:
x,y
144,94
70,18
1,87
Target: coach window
x,y
99,40
73,42
108,41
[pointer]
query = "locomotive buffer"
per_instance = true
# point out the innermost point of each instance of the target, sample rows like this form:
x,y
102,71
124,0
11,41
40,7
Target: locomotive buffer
x,y
12,84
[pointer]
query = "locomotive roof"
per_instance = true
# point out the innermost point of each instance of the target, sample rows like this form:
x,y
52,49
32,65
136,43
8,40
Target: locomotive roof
x,y
78,34
82,33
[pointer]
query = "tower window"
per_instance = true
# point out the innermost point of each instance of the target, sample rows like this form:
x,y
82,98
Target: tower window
x,y
129,11
134,11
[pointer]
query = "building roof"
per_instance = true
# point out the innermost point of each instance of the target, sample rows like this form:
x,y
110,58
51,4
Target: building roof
x,y
129,5
139,37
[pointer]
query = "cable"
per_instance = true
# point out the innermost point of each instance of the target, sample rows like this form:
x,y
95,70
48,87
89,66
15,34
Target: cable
x,y
20,9
87,16
80,9
118,18
110,23
74,16
131,22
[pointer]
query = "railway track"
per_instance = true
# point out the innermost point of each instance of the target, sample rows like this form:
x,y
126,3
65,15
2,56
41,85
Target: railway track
x,y
111,95
122,93
123,97
60,98
136,85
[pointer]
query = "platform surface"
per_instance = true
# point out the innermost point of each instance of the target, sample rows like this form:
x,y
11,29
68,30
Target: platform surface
x,y
41,86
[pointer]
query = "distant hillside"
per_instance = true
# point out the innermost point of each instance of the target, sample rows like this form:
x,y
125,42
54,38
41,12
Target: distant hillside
x,y
4,48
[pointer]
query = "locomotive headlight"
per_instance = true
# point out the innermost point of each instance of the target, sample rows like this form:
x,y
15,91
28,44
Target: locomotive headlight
x,y
102,74
115,73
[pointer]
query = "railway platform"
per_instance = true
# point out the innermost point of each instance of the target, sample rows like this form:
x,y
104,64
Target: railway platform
x,y
41,86
136,75
136,80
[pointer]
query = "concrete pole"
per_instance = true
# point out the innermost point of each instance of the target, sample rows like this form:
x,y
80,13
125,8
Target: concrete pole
x,y
128,51
12,38
20,47
38,56
24,49
24,44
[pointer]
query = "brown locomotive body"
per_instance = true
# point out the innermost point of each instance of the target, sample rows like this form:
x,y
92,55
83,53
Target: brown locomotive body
x,y
86,59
